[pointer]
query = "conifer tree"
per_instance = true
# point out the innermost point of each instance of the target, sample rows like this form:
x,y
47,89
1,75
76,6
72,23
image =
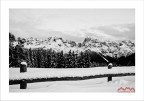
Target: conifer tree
x,y
53,63
73,60
42,55
81,60
87,60
60,60
76,61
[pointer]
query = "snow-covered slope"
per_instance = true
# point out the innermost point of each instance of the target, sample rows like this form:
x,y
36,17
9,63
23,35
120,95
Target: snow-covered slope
x,y
90,85
106,47
55,43
110,48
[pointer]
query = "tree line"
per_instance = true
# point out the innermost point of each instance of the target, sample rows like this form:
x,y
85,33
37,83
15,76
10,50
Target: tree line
x,y
40,58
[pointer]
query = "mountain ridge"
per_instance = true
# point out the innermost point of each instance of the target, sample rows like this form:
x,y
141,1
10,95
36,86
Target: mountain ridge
x,y
109,48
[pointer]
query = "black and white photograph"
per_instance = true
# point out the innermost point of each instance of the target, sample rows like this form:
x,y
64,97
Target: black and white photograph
x,y
72,50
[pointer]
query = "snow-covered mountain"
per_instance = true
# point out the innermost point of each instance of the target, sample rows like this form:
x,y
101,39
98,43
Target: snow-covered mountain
x,y
110,48
55,43
105,47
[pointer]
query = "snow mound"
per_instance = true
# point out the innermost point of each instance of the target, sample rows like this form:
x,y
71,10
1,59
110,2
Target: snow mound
x,y
121,82
23,63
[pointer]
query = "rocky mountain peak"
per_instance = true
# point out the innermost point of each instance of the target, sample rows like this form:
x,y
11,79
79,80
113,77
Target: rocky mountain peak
x,y
105,47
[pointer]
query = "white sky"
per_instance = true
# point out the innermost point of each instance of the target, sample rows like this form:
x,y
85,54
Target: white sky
x,y
68,23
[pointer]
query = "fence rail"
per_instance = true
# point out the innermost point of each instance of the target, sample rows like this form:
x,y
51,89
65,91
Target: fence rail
x,y
13,82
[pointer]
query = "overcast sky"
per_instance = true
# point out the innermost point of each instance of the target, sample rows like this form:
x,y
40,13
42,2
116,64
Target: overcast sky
x,y
73,24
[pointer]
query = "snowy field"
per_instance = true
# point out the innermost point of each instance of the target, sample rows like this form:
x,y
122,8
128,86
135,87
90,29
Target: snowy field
x,y
33,73
90,85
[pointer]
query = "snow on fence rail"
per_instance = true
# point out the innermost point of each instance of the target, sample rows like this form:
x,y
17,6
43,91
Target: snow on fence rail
x,y
31,75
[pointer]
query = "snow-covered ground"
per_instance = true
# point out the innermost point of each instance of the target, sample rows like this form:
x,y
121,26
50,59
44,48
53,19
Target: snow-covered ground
x,y
33,73
91,85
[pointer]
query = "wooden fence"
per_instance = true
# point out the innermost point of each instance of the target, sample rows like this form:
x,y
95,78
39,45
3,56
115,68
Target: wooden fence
x,y
23,82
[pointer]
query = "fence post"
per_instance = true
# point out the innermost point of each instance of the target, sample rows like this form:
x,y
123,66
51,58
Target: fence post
x,y
110,67
23,69
23,84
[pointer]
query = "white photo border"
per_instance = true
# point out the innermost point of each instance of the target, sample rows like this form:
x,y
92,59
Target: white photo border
x,y
139,82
